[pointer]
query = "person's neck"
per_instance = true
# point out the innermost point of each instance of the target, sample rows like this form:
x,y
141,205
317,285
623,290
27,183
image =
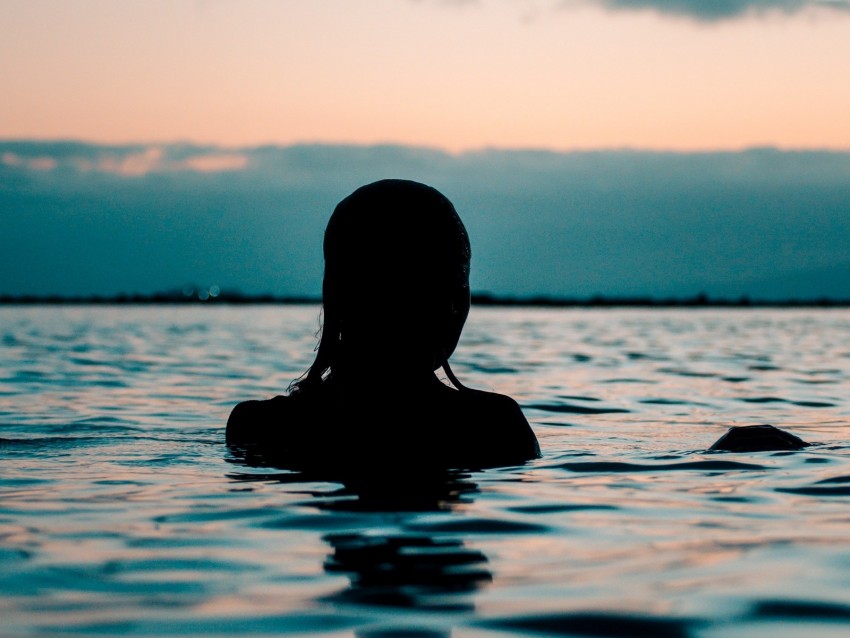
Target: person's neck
x,y
388,374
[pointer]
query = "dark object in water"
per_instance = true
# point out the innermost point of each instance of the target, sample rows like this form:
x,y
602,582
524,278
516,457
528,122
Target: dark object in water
x,y
757,438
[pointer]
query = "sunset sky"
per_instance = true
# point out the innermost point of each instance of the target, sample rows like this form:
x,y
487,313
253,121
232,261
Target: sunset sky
x,y
456,75
614,147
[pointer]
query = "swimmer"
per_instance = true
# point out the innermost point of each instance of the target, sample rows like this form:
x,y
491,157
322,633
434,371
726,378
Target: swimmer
x,y
395,298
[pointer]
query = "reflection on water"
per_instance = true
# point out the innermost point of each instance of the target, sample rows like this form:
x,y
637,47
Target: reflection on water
x,y
413,571
122,512
406,571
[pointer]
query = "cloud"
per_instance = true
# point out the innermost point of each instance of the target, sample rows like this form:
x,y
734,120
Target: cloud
x,y
697,10
716,10
126,161
215,162
43,163
131,164
763,222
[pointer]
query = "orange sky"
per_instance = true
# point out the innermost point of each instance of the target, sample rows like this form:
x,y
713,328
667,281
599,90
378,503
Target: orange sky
x,y
427,72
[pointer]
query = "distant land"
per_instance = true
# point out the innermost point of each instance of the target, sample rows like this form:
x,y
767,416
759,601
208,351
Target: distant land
x,y
204,298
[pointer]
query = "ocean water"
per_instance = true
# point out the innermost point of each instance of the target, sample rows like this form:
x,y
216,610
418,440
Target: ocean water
x,y
122,512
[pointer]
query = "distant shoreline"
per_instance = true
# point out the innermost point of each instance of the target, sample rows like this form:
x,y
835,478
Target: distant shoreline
x,y
478,299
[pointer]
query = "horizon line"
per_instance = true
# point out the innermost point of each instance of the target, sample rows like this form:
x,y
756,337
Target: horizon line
x,y
483,299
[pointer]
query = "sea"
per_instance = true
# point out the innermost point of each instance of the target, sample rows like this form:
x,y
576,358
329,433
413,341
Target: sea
x,y
123,512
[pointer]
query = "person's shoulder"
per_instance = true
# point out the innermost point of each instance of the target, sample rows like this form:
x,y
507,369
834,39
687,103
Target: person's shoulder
x,y
491,404
251,421
500,427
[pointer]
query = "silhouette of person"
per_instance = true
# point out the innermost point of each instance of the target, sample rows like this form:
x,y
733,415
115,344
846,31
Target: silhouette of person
x,y
395,298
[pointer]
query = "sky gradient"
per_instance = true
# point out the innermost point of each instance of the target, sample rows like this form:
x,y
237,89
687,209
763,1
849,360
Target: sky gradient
x,y
455,75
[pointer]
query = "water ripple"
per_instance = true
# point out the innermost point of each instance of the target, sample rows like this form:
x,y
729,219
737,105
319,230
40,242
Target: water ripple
x,y
572,409
609,467
600,624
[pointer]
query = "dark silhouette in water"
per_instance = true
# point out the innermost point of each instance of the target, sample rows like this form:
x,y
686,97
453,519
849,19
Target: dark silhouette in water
x,y
402,562
395,299
757,438
407,570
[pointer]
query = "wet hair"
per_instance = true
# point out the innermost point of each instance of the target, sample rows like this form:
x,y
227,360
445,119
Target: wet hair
x,y
396,260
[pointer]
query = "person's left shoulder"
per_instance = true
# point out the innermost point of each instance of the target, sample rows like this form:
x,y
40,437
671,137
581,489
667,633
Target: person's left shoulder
x,y
253,421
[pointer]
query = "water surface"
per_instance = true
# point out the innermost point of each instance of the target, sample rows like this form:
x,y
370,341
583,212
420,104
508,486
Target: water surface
x,y
122,511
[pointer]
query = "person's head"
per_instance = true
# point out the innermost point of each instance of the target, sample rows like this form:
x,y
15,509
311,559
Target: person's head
x,y
396,284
